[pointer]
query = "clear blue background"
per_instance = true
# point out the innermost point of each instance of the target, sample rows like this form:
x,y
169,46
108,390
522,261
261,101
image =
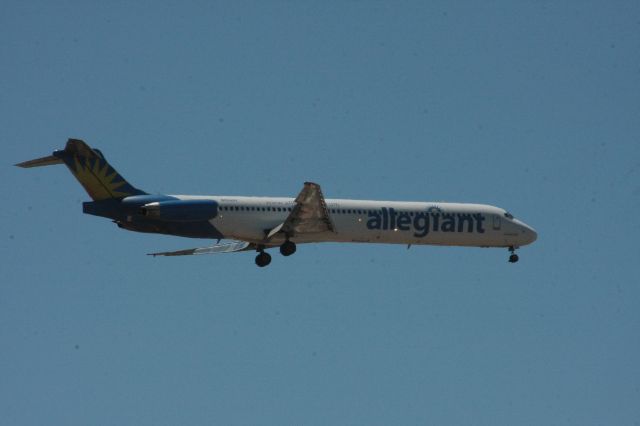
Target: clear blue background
x,y
531,106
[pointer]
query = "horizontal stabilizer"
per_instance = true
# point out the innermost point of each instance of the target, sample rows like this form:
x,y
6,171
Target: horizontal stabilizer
x,y
91,169
229,247
40,162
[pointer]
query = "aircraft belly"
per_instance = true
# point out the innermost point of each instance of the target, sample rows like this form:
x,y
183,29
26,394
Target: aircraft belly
x,y
488,238
246,229
228,227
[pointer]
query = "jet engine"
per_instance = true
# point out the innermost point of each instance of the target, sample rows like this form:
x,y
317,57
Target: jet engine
x,y
180,210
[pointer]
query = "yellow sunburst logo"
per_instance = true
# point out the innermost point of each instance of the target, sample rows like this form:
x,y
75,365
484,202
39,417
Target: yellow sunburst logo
x,y
99,179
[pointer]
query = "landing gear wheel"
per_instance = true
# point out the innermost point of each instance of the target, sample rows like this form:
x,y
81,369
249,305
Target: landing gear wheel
x,y
513,258
288,248
263,259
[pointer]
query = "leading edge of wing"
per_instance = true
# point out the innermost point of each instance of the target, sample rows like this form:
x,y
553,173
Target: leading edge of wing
x,y
228,247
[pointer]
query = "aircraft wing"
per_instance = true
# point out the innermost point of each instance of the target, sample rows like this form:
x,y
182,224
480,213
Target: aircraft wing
x,y
309,216
228,247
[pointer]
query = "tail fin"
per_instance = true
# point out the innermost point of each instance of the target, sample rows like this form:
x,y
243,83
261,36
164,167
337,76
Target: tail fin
x,y
99,179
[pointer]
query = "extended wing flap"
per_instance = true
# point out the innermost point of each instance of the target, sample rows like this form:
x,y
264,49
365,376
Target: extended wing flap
x,y
310,214
228,247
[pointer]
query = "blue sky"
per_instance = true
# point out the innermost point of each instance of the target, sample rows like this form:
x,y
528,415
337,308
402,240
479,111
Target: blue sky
x,y
531,106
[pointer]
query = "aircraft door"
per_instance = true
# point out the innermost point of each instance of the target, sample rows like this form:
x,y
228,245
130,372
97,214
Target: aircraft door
x,y
496,222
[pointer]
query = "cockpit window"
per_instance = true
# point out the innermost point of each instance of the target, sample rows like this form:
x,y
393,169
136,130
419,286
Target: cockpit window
x,y
508,215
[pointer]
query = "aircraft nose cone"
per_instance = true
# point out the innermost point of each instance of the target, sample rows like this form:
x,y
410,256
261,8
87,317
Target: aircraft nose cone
x,y
528,234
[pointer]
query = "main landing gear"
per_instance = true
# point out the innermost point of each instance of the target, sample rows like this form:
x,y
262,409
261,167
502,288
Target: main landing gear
x,y
288,248
263,258
513,258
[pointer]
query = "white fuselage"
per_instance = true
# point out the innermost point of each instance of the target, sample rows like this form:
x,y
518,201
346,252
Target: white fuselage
x,y
365,221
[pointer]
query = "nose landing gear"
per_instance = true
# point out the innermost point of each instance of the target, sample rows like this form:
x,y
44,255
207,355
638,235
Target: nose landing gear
x,y
513,258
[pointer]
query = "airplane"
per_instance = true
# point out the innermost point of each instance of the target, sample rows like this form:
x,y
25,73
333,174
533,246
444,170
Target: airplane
x,y
260,223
